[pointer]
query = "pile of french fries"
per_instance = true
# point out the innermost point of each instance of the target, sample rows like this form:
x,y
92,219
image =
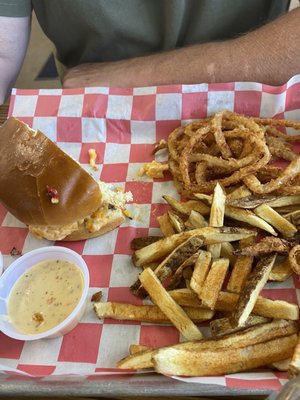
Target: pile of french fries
x,y
201,270
211,264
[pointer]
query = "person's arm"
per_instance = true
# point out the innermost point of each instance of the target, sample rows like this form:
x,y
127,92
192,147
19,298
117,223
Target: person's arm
x,y
270,54
14,36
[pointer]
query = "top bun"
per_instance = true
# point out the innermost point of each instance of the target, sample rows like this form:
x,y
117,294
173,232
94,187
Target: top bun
x,y
32,168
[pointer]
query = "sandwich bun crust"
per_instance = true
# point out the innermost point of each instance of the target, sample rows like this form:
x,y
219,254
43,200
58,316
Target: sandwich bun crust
x,y
32,168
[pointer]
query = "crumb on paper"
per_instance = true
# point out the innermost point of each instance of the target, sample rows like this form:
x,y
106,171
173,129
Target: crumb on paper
x,y
127,214
96,297
154,169
15,252
93,156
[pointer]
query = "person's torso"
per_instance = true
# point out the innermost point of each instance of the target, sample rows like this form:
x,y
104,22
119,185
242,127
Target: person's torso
x,y
108,30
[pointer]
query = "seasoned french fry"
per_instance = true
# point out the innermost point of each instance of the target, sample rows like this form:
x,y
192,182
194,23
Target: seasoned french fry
x,y
267,245
187,206
165,225
201,269
186,297
136,348
140,242
266,212
145,313
139,360
241,270
175,259
168,306
257,280
265,307
213,283
252,335
216,218
161,248
249,217
230,360
178,275
275,309
222,326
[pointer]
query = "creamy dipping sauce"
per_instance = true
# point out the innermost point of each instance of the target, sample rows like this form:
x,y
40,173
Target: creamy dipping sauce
x,y
44,296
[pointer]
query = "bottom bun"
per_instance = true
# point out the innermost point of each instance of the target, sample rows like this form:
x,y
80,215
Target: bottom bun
x,y
113,221
105,219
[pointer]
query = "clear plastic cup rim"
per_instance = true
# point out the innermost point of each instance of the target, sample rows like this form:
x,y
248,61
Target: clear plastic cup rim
x,y
22,264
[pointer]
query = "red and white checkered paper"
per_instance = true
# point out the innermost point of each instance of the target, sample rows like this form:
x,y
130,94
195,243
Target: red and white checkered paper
x,y
122,125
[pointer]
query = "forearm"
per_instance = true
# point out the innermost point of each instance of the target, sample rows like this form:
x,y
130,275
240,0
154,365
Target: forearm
x,y
271,54
14,36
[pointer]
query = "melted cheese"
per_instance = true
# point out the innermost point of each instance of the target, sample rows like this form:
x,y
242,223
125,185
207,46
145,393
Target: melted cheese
x,y
44,296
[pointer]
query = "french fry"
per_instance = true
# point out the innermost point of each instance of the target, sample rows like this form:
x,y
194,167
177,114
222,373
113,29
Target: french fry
x,y
282,201
186,297
145,313
267,245
213,283
172,310
136,348
222,326
196,220
257,280
176,222
182,362
140,242
178,275
294,218
266,212
165,225
227,252
168,267
294,367
216,218
275,309
282,365
205,197
239,193
201,269
161,248
249,217
252,335
136,361
241,270
281,272
186,207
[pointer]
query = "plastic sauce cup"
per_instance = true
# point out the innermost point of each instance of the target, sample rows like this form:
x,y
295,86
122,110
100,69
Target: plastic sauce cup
x,y
22,264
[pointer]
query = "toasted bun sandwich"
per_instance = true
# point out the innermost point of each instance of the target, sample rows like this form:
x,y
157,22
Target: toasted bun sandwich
x,y
49,191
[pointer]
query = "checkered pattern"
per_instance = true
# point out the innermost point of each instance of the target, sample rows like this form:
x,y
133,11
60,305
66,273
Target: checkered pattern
x,y
122,124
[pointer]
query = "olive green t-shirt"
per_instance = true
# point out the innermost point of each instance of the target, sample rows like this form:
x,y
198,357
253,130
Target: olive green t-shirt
x,y
108,30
